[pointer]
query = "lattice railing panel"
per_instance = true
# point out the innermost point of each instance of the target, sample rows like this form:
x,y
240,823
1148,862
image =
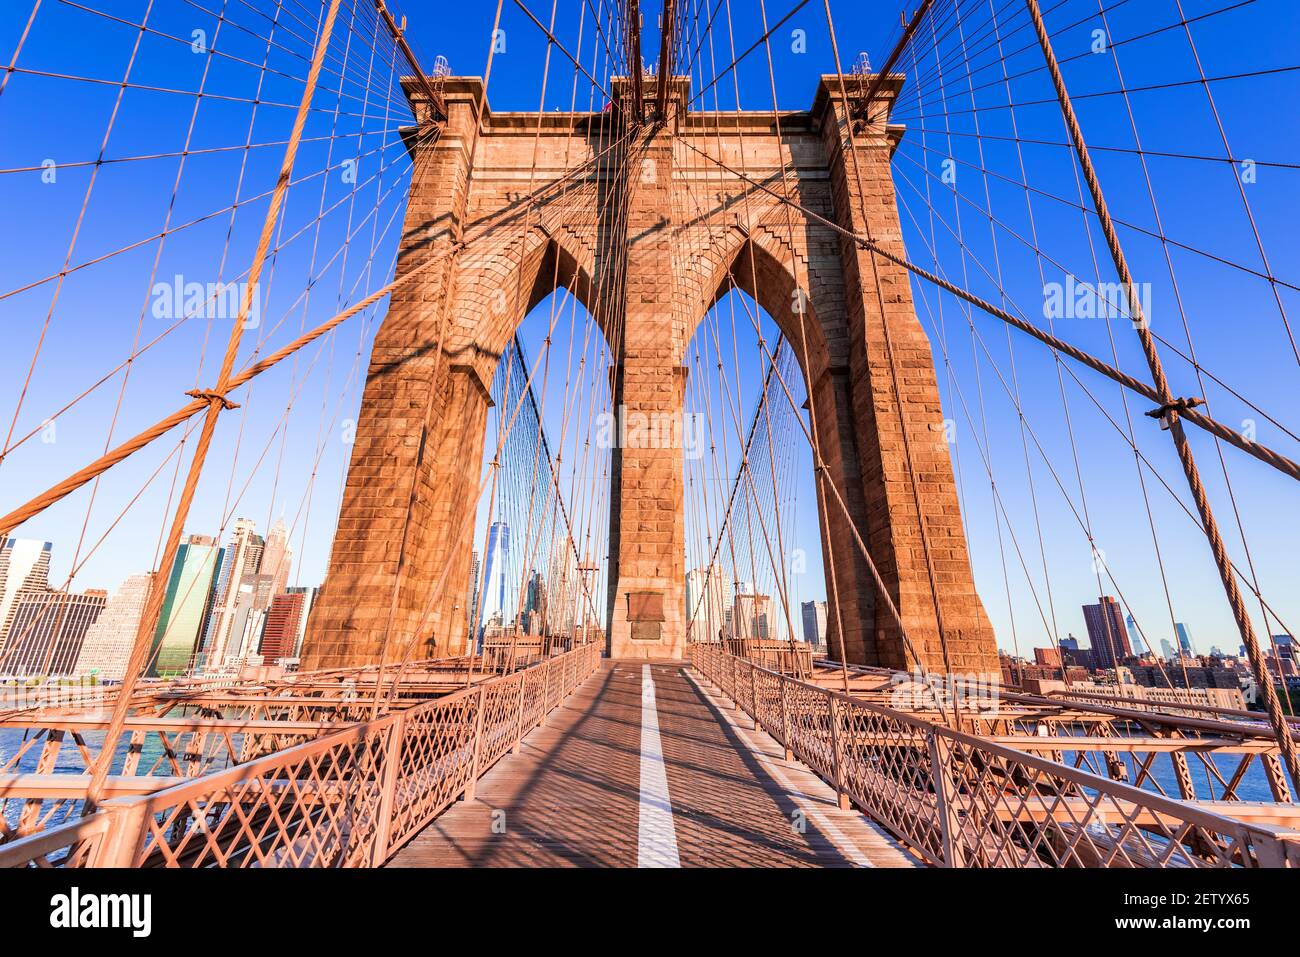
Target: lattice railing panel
x,y
347,799
963,800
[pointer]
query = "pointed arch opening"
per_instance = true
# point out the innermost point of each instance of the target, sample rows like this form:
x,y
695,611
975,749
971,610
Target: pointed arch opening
x,y
537,574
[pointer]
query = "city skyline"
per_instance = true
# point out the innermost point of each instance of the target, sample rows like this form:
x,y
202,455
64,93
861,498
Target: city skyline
x,y
30,560
221,604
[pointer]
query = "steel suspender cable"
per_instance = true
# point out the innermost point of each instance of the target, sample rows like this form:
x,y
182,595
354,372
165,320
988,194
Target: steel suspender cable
x,y
1171,414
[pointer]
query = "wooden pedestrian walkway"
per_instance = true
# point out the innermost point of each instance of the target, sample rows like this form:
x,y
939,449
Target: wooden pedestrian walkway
x,y
645,765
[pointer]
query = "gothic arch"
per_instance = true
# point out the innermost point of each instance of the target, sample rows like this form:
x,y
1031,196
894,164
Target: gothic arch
x,y
765,266
498,284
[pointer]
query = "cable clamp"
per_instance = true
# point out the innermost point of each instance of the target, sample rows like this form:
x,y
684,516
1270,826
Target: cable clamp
x,y
210,396
1168,413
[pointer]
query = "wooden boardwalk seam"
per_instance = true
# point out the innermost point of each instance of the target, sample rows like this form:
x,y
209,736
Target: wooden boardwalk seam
x,y
572,796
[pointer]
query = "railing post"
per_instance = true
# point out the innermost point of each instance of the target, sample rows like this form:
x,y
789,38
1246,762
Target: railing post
x,y
471,786
837,751
785,720
753,695
388,790
123,835
546,692
945,795
519,718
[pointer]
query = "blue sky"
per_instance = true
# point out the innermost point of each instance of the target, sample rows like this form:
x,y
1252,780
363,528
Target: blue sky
x,y
1233,317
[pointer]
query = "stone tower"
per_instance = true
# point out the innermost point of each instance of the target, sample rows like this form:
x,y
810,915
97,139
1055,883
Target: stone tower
x,y
649,226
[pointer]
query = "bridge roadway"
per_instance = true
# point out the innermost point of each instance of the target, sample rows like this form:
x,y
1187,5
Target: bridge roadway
x,y
647,765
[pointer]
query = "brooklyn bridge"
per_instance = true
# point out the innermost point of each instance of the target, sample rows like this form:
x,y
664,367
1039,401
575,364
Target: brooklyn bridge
x,y
703,434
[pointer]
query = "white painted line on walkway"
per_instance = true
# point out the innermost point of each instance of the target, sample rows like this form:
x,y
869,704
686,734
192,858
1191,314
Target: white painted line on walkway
x,y
656,835
804,802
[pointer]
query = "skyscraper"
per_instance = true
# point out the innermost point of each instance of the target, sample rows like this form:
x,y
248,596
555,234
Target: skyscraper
x,y
243,558
185,604
47,631
814,623
752,616
563,590
109,640
706,602
1184,639
277,557
251,605
24,569
471,599
498,552
535,604
283,621
1106,632
1134,636
308,593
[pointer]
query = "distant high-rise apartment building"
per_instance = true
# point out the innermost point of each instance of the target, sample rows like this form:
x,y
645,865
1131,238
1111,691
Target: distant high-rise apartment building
x,y
284,619
814,622
564,587
706,601
1106,632
535,604
1284,662
1166,649
47,631
243,558
24,569
309,593
1047,657
752,616
277,557
109,641
1184,639
186,603
251,606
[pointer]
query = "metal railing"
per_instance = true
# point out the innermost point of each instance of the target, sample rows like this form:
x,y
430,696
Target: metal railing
x,y
960,800
1234,754
181,729
350,798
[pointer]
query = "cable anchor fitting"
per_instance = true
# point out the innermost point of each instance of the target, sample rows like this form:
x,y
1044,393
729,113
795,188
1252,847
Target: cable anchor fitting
x,y
1168,413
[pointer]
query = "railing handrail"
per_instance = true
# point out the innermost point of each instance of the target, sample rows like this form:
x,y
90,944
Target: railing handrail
x,y
1250,726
